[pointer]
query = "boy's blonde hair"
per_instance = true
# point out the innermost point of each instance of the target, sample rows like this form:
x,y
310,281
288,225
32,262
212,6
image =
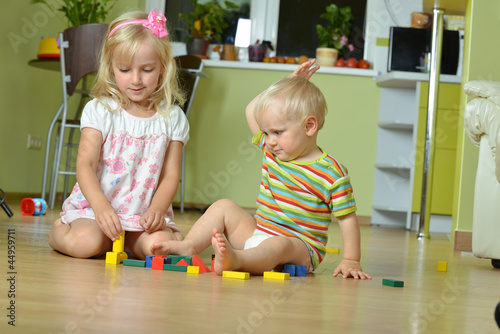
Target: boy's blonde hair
x,y
123,45
300,97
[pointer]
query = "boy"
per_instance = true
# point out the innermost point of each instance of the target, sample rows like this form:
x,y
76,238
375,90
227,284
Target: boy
x,y
301,186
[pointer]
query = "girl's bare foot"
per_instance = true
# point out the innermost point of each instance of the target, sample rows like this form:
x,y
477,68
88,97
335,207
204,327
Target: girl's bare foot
x,y
172,247
56,225
225,257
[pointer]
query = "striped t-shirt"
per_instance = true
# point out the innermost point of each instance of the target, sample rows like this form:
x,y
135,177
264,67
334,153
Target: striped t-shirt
x,y
297,198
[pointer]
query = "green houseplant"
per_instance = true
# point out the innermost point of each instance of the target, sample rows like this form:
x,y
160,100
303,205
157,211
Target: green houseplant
x,y
335,35
79,12
205,23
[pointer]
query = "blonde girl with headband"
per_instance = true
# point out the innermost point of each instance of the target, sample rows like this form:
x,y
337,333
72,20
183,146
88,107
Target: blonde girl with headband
x,y
132,135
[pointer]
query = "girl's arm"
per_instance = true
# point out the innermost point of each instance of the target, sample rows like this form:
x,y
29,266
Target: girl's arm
x,y
350,266
153,219
86,165
305,70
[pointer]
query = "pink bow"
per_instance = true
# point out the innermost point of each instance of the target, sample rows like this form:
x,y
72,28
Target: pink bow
x,y
155,23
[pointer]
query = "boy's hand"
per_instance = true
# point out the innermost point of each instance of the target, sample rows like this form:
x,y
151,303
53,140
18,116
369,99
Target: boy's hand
x,y
306,70
350,268
152,221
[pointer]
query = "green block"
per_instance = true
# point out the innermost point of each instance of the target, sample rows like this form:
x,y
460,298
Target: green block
x,y
392,282
177,258
174,267
134,263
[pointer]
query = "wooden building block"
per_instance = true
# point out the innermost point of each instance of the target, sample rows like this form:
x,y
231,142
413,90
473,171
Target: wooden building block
x,y
182,262
212,265
119,244
235,274
177,258
134,263
192,269
197,261
115,258
289,268
393,283
174,267
332,250
158,262
276,275
442,266
300,270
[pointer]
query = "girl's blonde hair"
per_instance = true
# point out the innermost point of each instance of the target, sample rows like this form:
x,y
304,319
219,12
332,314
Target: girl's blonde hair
x,y
300,98
123,44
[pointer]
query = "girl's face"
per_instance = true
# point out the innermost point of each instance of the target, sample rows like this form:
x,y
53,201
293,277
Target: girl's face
x,y
287,139
138,79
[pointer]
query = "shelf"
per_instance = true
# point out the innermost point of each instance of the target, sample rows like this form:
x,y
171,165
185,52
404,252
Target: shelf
x,y
456,7
396,125
400,79
390,208
392,167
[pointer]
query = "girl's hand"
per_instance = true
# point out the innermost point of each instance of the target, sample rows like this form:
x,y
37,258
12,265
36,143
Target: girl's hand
x,y
108,221
350,268
306,70
152,221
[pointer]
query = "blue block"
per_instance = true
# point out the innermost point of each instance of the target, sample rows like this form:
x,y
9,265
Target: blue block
x,y
300,270
149,261
289,268
168,260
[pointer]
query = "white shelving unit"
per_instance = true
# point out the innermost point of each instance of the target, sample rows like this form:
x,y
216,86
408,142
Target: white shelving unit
x,y
396,146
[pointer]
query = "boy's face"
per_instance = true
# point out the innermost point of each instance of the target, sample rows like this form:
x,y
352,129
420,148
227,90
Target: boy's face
x,y
287,139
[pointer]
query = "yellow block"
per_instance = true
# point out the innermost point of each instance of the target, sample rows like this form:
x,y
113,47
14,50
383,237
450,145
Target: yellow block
x,y
115,257
332,250
442,266
276,275
193,270
119,244
236,274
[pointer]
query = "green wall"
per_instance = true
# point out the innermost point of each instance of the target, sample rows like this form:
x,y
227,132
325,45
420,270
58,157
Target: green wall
x,y
480,63
221,162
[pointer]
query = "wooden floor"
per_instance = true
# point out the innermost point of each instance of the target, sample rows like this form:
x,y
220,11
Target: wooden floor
x,y
53,293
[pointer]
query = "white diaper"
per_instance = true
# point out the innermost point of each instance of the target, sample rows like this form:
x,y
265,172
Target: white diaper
x,y
256,239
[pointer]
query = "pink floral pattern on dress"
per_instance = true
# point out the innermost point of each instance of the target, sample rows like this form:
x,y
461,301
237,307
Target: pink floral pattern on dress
x,y
117,166
122,209
149,183
153,168
128,199
134,185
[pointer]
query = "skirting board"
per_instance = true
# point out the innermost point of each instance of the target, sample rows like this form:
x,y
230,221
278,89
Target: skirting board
x,y
463,241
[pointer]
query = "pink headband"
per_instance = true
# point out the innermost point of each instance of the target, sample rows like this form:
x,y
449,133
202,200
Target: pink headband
x,y
155,22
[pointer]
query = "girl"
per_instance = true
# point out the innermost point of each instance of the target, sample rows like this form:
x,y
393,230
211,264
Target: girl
x,y
130,147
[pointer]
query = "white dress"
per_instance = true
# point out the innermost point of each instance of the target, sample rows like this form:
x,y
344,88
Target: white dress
x,y
131,160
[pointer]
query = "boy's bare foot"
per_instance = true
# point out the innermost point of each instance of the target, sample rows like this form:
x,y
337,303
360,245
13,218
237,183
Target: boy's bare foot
x,y
225,258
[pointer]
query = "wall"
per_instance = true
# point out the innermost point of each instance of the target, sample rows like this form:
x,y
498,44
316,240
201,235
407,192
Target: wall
x,y
30,96
221,161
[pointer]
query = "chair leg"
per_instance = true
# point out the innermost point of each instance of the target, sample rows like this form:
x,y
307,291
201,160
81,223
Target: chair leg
x,y
47,150
183,160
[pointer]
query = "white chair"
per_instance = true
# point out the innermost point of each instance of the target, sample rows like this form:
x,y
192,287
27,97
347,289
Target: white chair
x,y
79,47
482,125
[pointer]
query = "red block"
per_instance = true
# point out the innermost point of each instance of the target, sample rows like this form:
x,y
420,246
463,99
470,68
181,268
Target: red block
x,y
158,262
198,262
182,263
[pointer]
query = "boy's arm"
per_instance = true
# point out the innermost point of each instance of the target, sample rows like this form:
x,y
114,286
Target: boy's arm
x,y
305,70
350,266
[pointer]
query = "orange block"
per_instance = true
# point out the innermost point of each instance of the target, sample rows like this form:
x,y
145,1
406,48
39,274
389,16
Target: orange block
x,y
182,263
198,262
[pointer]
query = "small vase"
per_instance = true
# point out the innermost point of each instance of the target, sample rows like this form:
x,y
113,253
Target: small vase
x,y
197,47
326,56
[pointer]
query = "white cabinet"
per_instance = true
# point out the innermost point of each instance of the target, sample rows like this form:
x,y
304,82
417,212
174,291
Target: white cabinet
x,y
396,147
394,164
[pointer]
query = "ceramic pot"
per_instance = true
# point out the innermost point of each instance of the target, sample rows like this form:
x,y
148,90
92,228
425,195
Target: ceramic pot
x,y
227,51
197,46
326,56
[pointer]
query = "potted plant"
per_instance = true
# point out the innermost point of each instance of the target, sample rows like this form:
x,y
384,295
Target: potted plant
x,y
205,24
80,12
335,35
